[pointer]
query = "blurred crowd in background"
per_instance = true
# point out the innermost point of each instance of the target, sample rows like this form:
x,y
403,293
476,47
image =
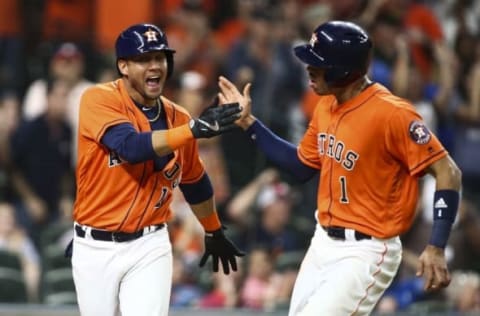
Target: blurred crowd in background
x,y
426,51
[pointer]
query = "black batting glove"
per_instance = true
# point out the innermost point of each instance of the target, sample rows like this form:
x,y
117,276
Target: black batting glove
x,y
215,120
221,249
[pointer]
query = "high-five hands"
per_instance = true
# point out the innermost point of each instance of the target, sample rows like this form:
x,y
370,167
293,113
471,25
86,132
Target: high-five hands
x,y
215,119
229,93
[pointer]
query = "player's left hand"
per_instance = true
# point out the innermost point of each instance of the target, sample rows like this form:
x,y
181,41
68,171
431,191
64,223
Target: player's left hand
x,y
221,249
215,120
433,267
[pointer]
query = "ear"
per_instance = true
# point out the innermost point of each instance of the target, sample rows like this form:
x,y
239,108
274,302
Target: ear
x,y
122,66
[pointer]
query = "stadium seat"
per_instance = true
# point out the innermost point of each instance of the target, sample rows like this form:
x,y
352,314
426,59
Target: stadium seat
x,y
53,257
289,260
9,259
12,286
58,287
52,234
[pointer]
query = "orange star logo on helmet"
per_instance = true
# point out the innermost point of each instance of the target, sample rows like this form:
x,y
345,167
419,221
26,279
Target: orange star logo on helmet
x,y
151,35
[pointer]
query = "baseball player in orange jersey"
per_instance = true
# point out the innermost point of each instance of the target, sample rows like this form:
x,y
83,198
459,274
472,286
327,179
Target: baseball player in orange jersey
x,y
370,148
134,148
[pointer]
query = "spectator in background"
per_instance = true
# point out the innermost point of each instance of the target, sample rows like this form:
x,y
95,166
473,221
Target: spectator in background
x,y
224,292
431,96
389,50
262,211
185,289
263,287
420,25
66,64
457,17
67,20
260,57
9,118
42,174
14,239
423,30
108,25
63,21
191,30
463,294
467,115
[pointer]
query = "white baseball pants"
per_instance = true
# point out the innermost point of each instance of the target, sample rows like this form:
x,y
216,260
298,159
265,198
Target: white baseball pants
x,y
123,278
344,277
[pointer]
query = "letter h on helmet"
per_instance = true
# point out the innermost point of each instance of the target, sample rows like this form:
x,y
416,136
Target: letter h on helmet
x,y
343,49
143,38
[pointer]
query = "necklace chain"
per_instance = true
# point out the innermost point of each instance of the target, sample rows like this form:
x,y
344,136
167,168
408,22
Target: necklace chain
x,y
158,113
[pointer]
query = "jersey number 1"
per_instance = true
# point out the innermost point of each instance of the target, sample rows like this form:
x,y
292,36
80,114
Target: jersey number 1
x,y
343,190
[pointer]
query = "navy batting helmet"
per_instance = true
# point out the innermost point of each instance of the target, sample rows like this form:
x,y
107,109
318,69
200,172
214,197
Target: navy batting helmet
x,y
343,49
143,38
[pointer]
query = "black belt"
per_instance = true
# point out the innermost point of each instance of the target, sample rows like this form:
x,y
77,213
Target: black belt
x,y
339,233
115,236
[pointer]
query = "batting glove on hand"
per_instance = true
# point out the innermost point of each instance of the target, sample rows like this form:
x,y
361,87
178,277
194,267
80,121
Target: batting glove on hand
x,y
215,120
220,248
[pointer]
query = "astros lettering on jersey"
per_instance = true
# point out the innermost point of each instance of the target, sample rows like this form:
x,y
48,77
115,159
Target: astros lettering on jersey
x,y
344,144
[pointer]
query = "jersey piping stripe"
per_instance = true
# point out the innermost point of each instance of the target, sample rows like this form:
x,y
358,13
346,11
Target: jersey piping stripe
x,y
414,169
140,183
148,203
106,126
342,115
382,259
129,109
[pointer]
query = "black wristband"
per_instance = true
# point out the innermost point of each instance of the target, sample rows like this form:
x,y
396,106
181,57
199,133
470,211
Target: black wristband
x,y
444,212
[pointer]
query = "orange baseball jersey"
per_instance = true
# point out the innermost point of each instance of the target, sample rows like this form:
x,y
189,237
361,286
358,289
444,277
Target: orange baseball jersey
x,y
115,195
371,151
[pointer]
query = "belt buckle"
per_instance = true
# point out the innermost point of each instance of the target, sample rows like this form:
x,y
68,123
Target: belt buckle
x,y
117,237
336,232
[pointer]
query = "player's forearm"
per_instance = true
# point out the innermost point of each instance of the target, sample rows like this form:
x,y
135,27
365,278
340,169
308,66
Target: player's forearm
x,y
206,214
447,174
282,153
136,147
166,141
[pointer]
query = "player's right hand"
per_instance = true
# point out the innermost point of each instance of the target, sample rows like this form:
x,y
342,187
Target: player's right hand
x,y
432,266
215,120
229,93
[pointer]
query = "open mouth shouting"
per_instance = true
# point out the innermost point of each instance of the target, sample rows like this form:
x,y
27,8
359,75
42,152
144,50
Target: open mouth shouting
x,y
153,83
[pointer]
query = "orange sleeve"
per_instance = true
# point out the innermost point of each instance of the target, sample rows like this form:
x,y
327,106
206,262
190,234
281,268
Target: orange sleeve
x,y
100,110
410,141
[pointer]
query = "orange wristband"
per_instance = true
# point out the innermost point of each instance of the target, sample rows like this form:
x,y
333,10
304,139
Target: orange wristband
x,y
211,222
178,136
